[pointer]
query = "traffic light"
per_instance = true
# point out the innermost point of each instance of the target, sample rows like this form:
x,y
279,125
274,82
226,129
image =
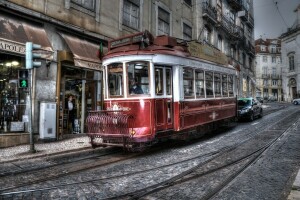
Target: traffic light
x,y
30,56
23,78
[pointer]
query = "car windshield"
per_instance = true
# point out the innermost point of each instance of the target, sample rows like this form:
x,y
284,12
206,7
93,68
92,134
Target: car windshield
x,y
244,102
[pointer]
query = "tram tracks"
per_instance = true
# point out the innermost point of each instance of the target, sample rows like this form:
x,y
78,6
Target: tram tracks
x,y
186,176
52,161
266,140
34,176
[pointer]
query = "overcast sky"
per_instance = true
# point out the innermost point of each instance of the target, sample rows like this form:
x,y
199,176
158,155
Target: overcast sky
x,y
270,22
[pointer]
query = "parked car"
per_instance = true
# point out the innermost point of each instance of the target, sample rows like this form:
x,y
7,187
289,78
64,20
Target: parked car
x,y
260,99
296,101
249,108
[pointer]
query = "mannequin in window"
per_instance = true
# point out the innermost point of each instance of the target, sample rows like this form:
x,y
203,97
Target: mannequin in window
x,y
71,111
134,87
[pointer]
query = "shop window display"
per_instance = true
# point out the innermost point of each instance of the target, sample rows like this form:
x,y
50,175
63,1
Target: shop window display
x,y
12,97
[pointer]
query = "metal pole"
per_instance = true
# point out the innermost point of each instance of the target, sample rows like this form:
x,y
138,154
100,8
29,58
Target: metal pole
x,y
32,149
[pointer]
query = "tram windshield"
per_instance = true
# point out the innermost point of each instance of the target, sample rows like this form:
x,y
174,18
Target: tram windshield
x,y
137,77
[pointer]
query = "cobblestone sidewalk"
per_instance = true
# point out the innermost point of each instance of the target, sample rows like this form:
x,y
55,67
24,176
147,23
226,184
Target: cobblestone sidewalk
x,y
44,148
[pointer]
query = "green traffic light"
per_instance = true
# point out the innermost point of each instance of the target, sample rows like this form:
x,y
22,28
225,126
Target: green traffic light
x,y
24,83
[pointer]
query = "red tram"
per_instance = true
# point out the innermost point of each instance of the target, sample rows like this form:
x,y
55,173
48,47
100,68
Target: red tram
x,y
158,88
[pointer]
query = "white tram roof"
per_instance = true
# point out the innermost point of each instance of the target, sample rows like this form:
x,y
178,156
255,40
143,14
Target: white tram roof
x,y
166,50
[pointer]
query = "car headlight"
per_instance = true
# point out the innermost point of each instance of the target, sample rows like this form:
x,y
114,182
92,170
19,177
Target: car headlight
x,y
245,110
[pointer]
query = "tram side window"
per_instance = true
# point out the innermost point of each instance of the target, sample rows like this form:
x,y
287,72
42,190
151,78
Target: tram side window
x,y
169,81
209,84
230,86
138,78
115,79
159,86
217,80
188,83
224,85
199,78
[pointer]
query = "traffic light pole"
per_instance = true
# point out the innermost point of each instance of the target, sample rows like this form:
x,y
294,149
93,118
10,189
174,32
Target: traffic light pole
x,y
30,64
32,148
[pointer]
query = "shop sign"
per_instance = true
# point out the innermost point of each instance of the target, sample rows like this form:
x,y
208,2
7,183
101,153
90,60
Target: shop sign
x,y
207,53
86,64
12,47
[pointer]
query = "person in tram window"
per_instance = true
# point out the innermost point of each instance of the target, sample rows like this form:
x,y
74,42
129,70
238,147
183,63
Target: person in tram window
x,y
134,87
71,109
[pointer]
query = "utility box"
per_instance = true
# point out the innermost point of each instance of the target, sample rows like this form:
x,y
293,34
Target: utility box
x,y
47,120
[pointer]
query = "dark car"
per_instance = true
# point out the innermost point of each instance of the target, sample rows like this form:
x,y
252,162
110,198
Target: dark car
x,y
249,108
260,99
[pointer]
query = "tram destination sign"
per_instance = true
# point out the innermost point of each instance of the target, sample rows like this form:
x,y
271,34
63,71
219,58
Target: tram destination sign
x,y
130,39
126,40
207,53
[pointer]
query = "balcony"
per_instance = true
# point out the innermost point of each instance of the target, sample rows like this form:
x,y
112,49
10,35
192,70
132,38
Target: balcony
x,y
271,76
245,16
238,33
236,4
209,12
250,21
228,26
265,76
276,76
251,50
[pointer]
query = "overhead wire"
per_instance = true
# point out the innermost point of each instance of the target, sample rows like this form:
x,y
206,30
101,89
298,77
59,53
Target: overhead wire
x,y
277,8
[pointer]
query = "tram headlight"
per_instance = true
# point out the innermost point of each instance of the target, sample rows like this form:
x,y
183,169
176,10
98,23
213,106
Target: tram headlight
x,y
132,132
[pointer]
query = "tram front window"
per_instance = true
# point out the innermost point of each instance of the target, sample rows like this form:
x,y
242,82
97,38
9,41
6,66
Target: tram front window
x,y
115,79
138,78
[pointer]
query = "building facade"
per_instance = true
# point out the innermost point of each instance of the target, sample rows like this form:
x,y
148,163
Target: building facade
x,y
291,60
228,26
268,69
73,32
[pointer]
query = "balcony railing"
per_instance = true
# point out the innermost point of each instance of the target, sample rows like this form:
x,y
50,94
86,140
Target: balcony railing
x,y
246,16
276,76
209,12
236,4
271,76
250,21
251,49
265,76
228,26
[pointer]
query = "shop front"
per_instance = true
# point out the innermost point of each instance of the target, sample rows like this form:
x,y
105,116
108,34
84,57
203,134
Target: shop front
x,y
79,84
14,77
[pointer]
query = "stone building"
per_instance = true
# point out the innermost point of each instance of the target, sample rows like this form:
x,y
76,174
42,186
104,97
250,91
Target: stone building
x,y
290,42
268,69
71,32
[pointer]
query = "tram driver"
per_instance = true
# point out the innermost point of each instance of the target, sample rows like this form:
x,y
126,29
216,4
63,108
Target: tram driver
x,y
134,87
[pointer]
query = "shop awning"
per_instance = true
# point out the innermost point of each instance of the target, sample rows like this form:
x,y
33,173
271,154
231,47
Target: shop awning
x,y
15,33
84,52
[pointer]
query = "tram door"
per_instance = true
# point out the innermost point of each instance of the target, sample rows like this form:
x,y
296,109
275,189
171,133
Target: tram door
x,y
164,98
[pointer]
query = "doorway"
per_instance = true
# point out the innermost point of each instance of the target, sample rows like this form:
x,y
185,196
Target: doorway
x,y
164,98
84,87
